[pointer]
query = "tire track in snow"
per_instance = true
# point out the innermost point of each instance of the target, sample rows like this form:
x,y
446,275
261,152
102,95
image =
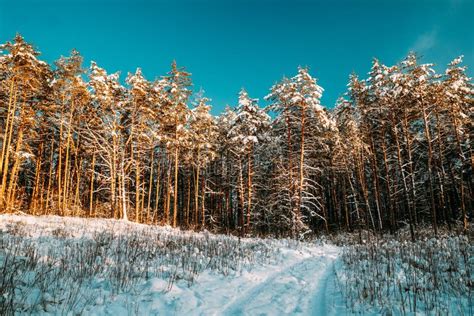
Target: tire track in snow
x,y
299,289
319,304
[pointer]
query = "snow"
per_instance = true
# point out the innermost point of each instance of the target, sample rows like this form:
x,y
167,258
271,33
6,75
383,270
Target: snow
x,y
426,277
99,267
295,289
25,155
61,265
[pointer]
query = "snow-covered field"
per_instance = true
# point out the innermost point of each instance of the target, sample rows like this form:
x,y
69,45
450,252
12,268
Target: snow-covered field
x,y
72,266
55,265
432,276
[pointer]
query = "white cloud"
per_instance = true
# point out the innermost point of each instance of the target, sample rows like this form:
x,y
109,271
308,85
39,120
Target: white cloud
x,y
425,42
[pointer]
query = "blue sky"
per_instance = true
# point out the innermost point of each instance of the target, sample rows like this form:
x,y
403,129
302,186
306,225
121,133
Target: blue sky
x,y
228,45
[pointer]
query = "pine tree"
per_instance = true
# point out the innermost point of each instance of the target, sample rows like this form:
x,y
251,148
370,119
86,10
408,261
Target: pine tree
x,y
138,120
105,132
455,105
26,80
175,112
297,102
70,99
203,137
226,168
248,124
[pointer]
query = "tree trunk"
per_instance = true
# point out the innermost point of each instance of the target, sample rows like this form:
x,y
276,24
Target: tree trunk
x,y
168,194
6,156
430,168
36,188
124,193
203,199
91,192
66,163
50,178
301,167
175,199
150,186
9,123
137,191
157,190
388,187
402,173
405,130
461,181
375,181
241,199
188,200
249,190
196,189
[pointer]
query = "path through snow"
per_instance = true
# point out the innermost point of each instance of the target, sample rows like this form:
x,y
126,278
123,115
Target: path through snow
x,y
299,289
302,284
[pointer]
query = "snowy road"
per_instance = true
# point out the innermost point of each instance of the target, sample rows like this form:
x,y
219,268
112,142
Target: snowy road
x,y
302,284
299,289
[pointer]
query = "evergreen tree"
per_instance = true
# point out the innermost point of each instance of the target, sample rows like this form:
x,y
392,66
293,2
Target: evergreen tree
x,y
249,123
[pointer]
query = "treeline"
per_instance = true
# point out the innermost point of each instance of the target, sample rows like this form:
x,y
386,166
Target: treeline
x,y
395,151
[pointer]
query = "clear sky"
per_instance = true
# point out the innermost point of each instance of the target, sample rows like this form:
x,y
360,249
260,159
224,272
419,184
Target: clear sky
x,y
228,45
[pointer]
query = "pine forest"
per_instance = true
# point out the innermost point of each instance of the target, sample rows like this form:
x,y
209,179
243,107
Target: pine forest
x,y
395,151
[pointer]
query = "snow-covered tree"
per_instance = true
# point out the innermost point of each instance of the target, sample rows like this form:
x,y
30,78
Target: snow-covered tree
x,y
105,132
202,150
138,122
25,85
455,122
175,115
245,132
297,104
70,102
